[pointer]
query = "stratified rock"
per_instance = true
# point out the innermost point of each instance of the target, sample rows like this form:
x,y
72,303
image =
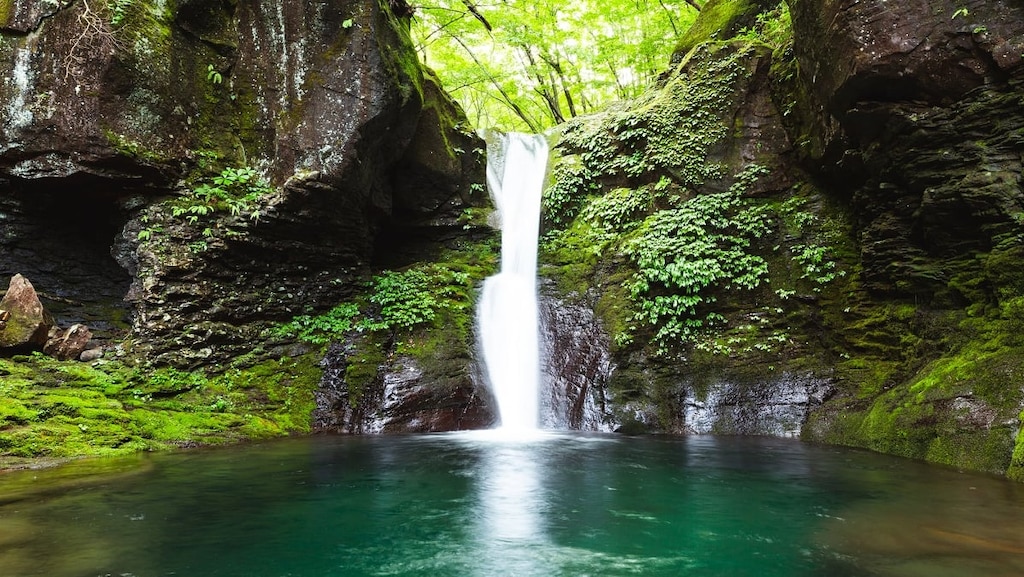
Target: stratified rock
x,y
883,51
26,323
68,344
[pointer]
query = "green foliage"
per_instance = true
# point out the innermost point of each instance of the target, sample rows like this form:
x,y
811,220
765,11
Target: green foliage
x,y
685,255
773,28
212,75
321,329
118,11
404,299
536,64
572,182
815,264
397,301
236,190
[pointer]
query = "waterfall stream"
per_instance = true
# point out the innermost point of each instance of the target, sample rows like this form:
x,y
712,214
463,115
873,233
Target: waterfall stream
x,y
507,313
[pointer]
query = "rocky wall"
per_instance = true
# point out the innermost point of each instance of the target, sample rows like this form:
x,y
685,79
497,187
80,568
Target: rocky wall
x,y
112,119
885,289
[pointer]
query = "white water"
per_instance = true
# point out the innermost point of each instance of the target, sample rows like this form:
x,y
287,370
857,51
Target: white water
x,y
507,313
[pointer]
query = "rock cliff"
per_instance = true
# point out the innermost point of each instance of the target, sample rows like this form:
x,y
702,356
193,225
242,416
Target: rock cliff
x,y
185,177
810,227
116,115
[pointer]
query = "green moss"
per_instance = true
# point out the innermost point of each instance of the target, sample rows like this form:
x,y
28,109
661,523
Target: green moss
x,y
898,428
953,411
720,20
402,59
133,149
1016,470
978,450
14,412
54,409
871,376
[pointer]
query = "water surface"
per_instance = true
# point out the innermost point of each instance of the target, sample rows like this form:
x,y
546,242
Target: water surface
x,y
474,505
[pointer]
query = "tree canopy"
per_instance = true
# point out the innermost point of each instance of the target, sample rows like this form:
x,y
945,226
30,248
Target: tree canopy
x,y
531,64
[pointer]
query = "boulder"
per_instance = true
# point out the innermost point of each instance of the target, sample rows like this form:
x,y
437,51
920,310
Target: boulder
x,y
400,396
25,323
67,344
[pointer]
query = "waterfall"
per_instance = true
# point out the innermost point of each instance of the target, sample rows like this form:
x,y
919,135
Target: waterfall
x,y
507,313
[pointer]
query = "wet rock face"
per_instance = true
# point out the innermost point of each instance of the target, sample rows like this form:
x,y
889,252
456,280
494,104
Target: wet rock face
x,y
777,407
576,366
402,398
120,113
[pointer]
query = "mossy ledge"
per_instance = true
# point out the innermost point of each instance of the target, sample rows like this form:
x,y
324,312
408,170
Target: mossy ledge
x,y
51,411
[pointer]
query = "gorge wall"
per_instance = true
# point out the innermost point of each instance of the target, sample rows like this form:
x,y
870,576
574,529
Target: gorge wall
x,y
811,226
187,176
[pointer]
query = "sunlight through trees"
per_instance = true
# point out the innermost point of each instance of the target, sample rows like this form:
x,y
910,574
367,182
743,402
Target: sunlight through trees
x,y
528,65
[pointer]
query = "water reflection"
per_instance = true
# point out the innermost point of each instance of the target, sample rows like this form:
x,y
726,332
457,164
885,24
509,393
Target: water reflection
x,y
510,500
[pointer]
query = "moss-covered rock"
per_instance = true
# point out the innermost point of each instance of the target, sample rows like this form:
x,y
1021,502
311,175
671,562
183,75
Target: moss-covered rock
x,y
881,268
56,410
720,20
403,360
146,108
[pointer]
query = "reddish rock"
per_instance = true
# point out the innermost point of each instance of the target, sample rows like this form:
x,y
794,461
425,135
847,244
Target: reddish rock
x,y
26,323
878,50
69,343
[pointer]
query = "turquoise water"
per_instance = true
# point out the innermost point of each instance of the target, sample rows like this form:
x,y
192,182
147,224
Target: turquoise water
x,y
473,505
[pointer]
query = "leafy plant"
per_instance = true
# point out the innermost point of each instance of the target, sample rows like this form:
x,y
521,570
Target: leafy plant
x,y
816,265
682,254
397,301
321,329
118,11
405,299
237,190
773,28
212,75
